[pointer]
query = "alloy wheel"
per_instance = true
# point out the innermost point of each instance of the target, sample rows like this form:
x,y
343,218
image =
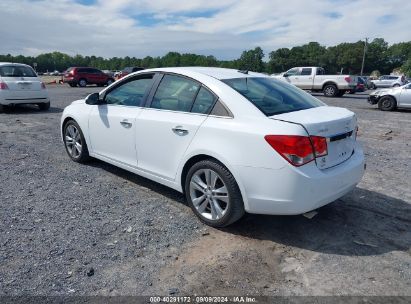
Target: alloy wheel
x,y
209,194
73,141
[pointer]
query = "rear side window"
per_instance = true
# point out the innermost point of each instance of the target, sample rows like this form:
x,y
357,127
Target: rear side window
x,y
272,96
175,93
306,71
204,101
130,93
17,71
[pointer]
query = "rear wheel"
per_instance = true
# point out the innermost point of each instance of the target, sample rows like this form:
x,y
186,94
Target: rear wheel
x,y
330,90
213,194
387,103
44,106
396,85
82,83
74,142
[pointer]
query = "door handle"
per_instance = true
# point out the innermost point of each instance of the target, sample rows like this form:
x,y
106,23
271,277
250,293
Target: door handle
x,y
179,130
126,124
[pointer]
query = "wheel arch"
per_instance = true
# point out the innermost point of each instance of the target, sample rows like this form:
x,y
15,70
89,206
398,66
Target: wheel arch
x,y
328,83
195,158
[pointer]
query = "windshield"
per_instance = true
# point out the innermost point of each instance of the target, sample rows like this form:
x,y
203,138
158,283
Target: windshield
x,y
17,71
271,96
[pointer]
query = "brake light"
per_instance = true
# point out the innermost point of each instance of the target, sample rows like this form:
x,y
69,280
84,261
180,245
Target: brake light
x,y
319,145
298,150
3,86
347,79
43,86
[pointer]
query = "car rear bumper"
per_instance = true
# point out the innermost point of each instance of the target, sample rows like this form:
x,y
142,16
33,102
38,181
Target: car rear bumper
x,y
291,190
12,98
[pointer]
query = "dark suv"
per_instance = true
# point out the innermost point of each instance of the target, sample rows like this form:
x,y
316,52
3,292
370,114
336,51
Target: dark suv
x,y
83,76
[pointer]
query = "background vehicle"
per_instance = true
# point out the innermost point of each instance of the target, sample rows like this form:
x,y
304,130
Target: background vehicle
x,y
128,70
84,76
360,87
390,99
19,84
315,80
171,126
387,81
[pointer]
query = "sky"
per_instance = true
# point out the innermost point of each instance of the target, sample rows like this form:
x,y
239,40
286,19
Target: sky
x,y
223,28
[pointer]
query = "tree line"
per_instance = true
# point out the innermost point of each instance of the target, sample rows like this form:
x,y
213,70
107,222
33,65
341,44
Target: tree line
x,y
380,58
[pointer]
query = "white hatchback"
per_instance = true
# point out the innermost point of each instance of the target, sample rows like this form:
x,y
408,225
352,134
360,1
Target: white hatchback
x,y
19,84
231,141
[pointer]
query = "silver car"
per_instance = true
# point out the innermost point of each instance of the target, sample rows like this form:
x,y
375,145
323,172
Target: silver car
x,y
390,99
387,81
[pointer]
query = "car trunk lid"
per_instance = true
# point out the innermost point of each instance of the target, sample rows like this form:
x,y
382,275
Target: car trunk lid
x,y
337,125
22,83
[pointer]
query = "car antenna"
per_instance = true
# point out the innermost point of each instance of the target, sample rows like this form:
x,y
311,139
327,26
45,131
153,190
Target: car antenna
x,y
243,71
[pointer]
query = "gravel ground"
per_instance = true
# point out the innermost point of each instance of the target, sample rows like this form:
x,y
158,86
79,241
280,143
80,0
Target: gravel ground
x,y
71,229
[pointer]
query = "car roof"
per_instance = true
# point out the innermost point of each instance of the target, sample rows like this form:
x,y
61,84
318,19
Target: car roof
x,y
218,73
11,63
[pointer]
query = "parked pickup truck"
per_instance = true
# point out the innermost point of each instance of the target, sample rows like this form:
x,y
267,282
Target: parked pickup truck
x,y
315,80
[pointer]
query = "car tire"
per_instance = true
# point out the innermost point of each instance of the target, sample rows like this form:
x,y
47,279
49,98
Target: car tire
x,y
387,103
72,138
373,86
44,106
330,90
221,203
82,83
396,85
110,81
2,107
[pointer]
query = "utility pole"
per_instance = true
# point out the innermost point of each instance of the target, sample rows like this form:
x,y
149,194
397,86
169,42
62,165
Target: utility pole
x,y
363,55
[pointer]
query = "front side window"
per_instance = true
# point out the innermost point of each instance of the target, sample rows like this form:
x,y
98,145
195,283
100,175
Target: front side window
x,y
271,96
17,71
292,72
175,93
130,93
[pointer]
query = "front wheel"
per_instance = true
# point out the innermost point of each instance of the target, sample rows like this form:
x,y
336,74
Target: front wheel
x,y
82,83
396,85
74,142
213,194
387,103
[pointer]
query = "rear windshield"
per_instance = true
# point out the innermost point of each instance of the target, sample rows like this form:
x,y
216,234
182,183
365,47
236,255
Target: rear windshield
x,y
271,96
17,71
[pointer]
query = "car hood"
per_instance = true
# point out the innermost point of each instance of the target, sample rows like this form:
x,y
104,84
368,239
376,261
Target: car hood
x,y
386,91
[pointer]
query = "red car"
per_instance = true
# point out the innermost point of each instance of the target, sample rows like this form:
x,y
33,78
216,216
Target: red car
x,y
83,76
129,70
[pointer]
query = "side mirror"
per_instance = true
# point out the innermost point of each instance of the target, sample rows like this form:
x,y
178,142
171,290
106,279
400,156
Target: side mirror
x,y
93,99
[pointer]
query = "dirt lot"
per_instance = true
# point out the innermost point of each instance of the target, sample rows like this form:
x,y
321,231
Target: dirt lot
x,y
95,229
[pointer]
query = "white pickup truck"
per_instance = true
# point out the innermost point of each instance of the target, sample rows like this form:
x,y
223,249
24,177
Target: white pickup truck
x,y
315,80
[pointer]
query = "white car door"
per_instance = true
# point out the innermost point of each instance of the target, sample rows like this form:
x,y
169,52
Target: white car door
x,y
112,125
305,79
405,97
167,126
291,76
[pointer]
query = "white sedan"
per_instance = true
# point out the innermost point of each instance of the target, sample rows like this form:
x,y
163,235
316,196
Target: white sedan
x,y
390,99
19,84
231,141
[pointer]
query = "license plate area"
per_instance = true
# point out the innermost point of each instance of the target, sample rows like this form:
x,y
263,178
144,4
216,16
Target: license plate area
x,y
24,85
340,148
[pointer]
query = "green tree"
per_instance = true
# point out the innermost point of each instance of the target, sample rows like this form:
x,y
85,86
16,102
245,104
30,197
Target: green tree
x,y
252,60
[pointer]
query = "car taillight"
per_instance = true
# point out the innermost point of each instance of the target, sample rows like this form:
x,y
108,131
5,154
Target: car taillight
x,y
298,150
347,79
43,86
3,86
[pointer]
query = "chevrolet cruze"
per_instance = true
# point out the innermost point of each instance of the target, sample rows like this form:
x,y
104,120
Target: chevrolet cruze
x,y
231,141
